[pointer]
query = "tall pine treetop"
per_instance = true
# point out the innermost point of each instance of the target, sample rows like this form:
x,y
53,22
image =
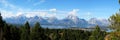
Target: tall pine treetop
x,y
1,21
27,26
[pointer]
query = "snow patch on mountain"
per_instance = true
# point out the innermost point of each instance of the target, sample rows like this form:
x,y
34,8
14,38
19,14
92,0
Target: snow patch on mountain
x,y
68,21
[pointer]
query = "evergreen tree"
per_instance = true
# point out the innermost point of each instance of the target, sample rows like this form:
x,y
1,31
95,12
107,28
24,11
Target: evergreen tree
x,y
97,34
25,35
37,33
6,30
1,27
11,32
14,33
115,22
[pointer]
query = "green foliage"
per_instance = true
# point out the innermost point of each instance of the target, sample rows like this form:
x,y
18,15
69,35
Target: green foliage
x,y
11,32
36,32
68,34
115,21
114,37
1,27
97,34
25,35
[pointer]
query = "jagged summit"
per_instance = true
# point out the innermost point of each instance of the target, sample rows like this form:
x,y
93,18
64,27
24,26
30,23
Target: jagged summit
x,y
69,21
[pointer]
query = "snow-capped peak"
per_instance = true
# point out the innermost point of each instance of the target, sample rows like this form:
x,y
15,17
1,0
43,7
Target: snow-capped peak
x,y
51,19
98,21
73,17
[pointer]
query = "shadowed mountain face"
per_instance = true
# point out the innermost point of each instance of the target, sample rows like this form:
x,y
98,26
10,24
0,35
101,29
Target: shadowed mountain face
x,y
69,21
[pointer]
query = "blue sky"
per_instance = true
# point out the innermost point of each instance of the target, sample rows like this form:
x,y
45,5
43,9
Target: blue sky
x,y
60,8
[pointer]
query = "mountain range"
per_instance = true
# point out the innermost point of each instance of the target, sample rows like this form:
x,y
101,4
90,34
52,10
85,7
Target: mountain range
x,y
53,22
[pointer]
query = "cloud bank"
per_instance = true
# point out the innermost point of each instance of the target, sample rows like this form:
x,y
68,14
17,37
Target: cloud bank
x,y
11,10
42,13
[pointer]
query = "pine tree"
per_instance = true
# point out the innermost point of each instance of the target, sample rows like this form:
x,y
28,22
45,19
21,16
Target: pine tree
x,y
97,34
14,33
25,35
1,27
35,32
115,22
6,30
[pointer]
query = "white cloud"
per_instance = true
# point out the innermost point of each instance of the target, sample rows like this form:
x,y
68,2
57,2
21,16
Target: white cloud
x,y
17,11
7,4
19,14
74,12
50,15
32,14
40,13
43,13
6,14
53,10
88,14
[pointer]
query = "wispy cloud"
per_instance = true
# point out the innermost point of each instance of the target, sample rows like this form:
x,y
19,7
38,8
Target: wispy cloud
x,y
43,13
39,2
35,13
88,15
53,10
18,11
7,14
31,13
7,4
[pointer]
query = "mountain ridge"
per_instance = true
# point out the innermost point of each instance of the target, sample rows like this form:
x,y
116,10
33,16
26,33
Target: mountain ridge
x,y
68,21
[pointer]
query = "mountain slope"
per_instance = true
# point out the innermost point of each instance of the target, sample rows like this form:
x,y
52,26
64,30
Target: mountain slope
x,y
69,21
74,21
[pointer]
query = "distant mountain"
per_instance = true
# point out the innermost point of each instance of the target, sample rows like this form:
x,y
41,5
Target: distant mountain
x,y
74,21
16,20
101,22
53,22
33,20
